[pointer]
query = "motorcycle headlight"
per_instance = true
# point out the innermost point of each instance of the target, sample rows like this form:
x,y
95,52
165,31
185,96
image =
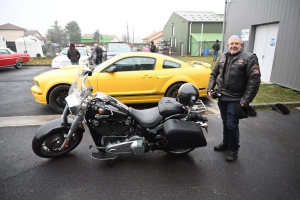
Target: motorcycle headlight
x,y
73,103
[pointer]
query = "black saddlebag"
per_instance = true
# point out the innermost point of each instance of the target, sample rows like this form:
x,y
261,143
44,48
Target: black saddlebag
x,y
168,106
183,134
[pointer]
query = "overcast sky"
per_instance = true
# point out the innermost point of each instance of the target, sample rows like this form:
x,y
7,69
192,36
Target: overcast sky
x,y
109,16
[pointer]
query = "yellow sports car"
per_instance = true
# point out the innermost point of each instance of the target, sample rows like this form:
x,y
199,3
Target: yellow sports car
x,y
135,77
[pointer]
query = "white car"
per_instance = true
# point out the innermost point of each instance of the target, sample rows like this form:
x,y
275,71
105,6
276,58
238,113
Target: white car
x,y
62,60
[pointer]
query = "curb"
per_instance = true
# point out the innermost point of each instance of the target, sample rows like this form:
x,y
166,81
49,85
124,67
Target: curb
x,y
213,105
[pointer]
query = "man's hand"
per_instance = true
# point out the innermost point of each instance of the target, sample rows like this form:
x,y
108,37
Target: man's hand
x,y
209,93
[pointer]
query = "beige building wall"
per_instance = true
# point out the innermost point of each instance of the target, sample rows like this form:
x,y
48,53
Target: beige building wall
x,y
12,35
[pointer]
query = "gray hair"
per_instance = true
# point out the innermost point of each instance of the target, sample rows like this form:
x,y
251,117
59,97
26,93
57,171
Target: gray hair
x,y
234,37
95,44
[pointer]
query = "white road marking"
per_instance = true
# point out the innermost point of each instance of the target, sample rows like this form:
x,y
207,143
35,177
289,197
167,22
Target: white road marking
x,y
26,120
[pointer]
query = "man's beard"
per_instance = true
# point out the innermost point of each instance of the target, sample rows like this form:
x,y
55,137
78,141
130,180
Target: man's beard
x,y
233,51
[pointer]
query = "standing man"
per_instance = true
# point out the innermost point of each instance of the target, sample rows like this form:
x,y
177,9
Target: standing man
x,y
152,47
237,76
73,54
216,48
99,52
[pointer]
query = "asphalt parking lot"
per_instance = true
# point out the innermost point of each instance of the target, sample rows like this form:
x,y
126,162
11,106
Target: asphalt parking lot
x,y
267,167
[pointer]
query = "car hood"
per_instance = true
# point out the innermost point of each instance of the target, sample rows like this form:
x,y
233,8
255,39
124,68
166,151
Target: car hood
x,y
65,58
65,75
114,53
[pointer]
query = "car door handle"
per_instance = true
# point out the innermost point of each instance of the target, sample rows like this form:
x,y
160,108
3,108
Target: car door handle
x,y
147,76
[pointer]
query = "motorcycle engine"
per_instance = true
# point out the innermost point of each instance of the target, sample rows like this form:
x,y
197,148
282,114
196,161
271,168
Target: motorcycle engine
x,y
135,145
138,145
111,127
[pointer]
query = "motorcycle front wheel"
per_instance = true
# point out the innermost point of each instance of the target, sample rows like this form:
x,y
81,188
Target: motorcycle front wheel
x,y
178,152
48,146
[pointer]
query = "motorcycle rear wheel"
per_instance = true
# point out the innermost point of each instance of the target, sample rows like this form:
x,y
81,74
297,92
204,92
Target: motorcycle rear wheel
x,y
48,146
178,152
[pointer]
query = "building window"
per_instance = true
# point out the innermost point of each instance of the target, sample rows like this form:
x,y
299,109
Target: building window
x,y
173,30
174,41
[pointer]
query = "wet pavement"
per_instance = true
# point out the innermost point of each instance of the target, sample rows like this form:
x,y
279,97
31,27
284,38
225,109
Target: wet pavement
x,y
267,167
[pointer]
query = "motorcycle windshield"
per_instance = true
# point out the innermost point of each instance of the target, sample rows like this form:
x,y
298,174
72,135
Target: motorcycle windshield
x,y
81,85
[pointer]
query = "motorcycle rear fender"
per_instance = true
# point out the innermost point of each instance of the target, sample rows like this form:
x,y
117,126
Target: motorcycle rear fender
x,y
55,125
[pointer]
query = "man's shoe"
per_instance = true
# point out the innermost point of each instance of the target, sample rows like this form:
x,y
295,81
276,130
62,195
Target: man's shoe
x,y
221,147
231,157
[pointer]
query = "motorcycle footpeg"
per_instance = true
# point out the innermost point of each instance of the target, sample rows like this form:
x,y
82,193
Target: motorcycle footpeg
x,y
104,156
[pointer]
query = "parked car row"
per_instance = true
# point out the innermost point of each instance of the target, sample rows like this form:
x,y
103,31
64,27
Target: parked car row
x,y
115,49
9,58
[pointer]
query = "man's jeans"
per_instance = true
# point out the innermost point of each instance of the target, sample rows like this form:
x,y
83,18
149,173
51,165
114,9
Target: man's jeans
x,y
215,55
75,63
98,60
231,133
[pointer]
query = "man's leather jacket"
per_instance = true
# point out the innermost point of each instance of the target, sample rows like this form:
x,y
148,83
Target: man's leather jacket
x,y
236,75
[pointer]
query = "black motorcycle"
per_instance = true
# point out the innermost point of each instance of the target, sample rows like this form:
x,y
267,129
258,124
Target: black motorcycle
x,y
174,126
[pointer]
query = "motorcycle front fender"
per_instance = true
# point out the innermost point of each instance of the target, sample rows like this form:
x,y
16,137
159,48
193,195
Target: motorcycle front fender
x,y
55,125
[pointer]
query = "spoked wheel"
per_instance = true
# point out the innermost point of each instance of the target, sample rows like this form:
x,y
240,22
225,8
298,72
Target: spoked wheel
x,y
173,90
179,152
57,98
48,146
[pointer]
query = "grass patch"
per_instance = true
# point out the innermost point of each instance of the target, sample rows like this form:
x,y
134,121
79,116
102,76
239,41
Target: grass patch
x,y
275,93
39,61
268,93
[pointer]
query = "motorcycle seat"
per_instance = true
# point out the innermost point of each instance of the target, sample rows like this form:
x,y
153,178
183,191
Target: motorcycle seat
x,y
149,118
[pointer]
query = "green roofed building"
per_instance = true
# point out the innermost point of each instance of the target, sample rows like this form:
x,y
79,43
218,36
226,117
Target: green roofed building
x,y
190,32
88,39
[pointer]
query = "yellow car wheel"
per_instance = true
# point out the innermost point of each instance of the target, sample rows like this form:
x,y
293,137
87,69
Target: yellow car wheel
x,y
57,98
173,90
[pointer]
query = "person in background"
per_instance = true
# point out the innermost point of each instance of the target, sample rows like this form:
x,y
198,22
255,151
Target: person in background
x,y
237,76
216,48
93,56
99,52
146,49
73,54
152,47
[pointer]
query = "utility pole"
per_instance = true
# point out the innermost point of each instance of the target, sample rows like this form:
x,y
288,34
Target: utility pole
x,y
127,34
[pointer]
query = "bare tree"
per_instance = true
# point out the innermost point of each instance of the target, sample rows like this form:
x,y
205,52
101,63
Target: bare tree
x,y
125,38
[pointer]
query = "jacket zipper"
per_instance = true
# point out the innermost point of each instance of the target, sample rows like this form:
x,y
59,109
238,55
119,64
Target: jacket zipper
x,y
227,72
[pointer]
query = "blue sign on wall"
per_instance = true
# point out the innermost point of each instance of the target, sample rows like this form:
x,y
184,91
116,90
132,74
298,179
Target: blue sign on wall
x,y
272,42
